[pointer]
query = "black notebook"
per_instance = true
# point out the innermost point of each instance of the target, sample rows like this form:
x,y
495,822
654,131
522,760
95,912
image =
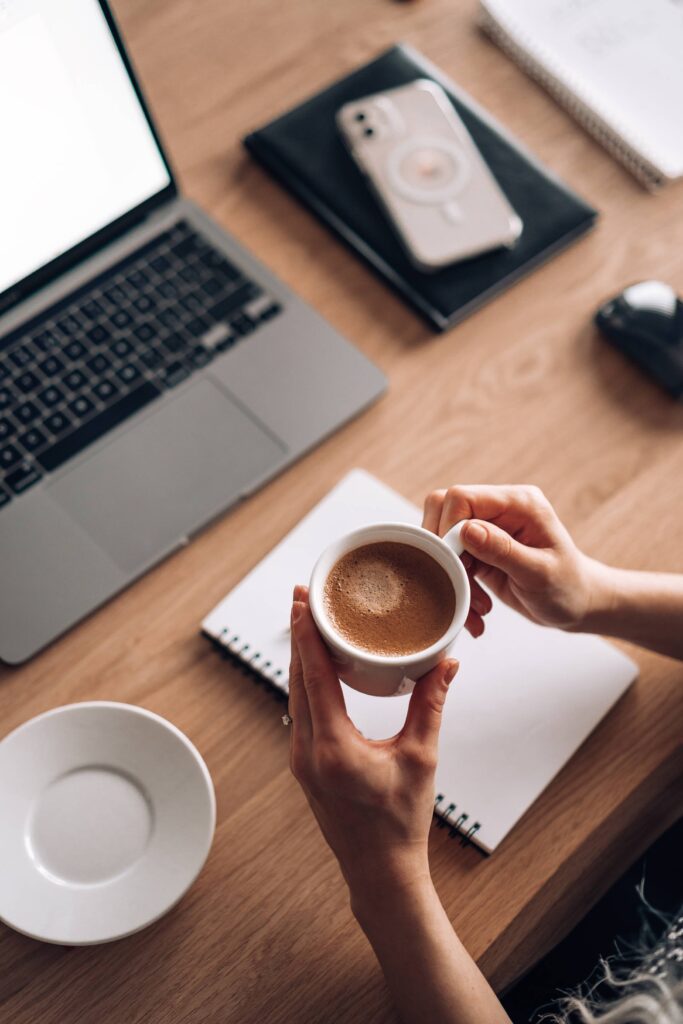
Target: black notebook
x,y
303,149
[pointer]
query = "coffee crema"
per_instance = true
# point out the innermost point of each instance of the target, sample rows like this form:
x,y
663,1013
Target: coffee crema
x,y
389,598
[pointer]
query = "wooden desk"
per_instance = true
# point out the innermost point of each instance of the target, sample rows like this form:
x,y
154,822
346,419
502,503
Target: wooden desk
x,y
522,391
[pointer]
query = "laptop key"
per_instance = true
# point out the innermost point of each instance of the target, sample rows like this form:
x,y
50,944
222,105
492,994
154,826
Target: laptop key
x,y
187,245
81,406
174,343
23,477
213,287
198,326
128,373
21,356
51,395
215,335
27,382
257,307
234,301
174,374
144,332
75,350
121,318
69,325
6,428
242,324
51,366
98,334
9,456
121,347
151,357
169,318
190,274
216,261
105,390
101,424
192,303
99,363
45,341
138,278
92,309
75,380
57,423
5,398
27,412
168,290
144,303
160,264
116,295
200,356
33,439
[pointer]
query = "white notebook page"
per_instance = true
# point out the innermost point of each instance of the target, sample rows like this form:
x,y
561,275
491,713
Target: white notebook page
x,y
524,699
623,58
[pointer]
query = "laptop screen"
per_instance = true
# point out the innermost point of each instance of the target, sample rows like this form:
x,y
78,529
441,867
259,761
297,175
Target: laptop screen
x,y
76,149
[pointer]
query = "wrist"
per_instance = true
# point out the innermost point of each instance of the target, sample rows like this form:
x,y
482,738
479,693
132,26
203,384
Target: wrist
x,y
388,890
601,597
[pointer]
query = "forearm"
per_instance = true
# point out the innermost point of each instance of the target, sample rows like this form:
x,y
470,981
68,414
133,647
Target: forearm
x,y
643,607
429,972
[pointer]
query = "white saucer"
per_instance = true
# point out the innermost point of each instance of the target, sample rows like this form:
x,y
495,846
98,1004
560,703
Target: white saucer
x,y
107,814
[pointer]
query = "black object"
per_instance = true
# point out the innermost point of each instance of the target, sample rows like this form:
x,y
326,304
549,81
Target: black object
x,y
645,321
80,368
303,149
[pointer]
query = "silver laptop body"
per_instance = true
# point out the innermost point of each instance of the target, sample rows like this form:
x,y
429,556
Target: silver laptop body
x,y
85,530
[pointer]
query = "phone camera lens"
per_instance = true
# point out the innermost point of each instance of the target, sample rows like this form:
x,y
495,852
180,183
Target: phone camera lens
x,y
359,117
369,131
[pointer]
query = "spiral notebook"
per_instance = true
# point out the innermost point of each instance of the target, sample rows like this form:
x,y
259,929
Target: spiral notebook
x,y
616,65
524,700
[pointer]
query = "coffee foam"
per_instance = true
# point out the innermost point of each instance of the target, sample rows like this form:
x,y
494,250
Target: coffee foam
x,y
389,598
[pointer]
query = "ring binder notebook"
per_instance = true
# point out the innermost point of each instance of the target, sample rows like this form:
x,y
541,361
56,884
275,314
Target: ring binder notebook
x,y
615,65
519,682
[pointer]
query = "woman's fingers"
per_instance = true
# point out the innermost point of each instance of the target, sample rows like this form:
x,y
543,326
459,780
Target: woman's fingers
x,y
423,720
474,624
493,546
432,510
298,701
321,683
480,601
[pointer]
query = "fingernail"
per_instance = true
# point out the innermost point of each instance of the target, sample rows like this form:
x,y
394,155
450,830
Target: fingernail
x,y
481,604
449,674
475,534
297,608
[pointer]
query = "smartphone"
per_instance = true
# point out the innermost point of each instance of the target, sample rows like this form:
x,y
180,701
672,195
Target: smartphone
x,y
428,175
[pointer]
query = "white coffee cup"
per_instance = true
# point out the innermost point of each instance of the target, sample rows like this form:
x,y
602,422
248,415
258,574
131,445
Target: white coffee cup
x,y
379,674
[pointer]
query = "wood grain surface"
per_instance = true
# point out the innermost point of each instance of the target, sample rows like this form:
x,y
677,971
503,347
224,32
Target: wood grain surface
x,y
522,391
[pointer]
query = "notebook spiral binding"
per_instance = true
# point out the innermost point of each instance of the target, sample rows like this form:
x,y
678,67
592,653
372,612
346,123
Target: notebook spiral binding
x,y
525,58
231,645
458,826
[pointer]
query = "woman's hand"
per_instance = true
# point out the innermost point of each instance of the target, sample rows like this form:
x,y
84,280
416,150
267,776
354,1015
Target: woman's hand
x,y
373,798
374,801
518,547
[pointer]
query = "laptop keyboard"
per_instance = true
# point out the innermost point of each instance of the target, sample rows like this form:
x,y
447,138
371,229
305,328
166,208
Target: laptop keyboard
x,y
88,363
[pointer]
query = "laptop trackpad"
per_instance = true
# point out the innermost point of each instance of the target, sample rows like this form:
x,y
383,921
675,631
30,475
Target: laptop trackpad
x,y
167,475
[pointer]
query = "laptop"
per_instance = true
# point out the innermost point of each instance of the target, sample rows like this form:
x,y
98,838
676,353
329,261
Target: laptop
x,y
152,372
